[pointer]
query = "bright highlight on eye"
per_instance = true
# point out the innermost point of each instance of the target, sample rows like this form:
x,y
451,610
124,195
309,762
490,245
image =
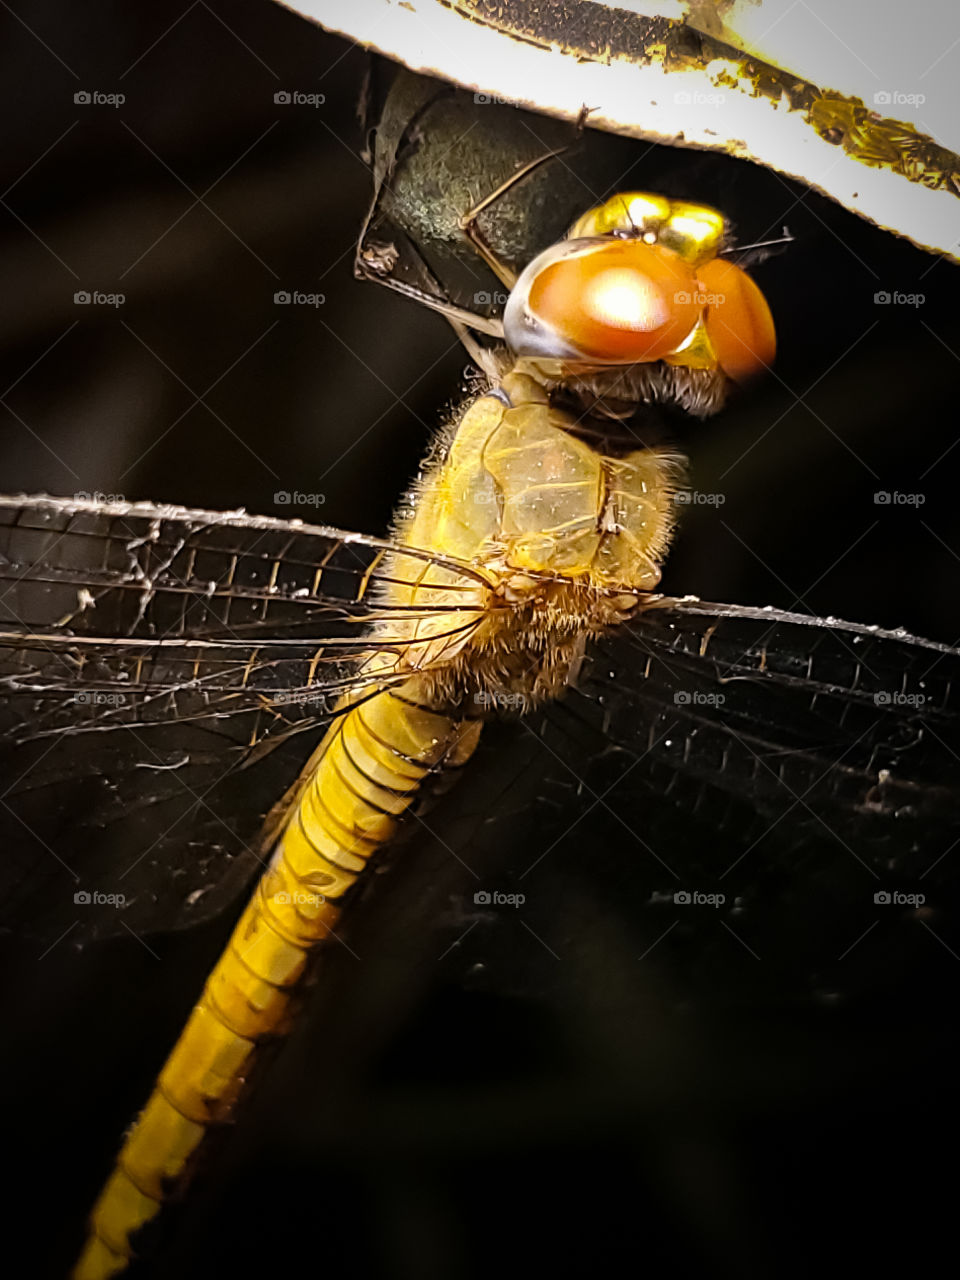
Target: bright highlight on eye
x,y
627,300
618,301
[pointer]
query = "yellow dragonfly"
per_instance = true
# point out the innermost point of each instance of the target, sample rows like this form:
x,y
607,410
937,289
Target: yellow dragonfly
x,y
538,524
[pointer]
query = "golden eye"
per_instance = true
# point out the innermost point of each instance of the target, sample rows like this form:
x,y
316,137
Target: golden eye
x,y
616,301
737,319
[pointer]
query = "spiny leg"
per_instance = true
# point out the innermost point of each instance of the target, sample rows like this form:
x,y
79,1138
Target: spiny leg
x,y
468,221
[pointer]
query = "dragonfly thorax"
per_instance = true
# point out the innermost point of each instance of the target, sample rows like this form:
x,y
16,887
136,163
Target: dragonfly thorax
x,y
567,538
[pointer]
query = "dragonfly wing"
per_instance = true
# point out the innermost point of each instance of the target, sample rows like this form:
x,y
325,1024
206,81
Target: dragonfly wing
x,y
131,831
150,657
820,728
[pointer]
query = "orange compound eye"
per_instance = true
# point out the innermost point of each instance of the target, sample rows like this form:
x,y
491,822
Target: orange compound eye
x,y
621,301
737,319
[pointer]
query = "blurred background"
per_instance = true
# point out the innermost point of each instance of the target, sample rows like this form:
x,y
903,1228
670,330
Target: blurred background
x,y
533,1099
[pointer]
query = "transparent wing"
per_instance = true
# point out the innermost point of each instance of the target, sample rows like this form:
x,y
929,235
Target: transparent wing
x,y
784,769
760,719
149,658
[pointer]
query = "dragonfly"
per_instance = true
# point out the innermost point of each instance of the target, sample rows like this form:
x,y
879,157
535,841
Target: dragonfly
x,y
199,647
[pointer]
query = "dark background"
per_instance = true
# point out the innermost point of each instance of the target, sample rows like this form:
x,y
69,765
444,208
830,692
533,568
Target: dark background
x,y
456,1105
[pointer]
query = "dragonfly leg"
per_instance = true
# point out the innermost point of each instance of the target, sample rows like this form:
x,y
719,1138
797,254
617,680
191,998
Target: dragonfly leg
x,y
483,357
468,221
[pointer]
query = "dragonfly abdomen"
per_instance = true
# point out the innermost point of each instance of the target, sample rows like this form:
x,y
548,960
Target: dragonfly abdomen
x,y
369,768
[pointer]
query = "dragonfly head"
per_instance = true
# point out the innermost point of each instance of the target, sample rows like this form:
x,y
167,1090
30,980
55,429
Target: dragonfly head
x,y
640,280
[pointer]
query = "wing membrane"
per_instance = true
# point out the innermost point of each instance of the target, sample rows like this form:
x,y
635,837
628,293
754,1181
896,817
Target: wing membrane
x,y
199,639
149,657
847,733
138,613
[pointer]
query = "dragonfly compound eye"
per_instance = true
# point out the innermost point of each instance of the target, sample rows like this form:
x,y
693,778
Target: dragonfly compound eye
x,y
610,301
614,301
737,320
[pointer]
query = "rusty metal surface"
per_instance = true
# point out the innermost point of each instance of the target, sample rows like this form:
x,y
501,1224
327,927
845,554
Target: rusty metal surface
x,y
650,75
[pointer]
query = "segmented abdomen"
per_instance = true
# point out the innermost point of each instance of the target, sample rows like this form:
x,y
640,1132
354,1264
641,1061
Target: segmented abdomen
x,y
367,770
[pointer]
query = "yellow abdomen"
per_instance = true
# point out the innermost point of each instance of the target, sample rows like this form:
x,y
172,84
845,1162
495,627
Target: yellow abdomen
x,y
365,773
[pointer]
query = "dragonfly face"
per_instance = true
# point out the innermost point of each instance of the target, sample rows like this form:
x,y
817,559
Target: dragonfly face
x,y
639,280
636,301
635,304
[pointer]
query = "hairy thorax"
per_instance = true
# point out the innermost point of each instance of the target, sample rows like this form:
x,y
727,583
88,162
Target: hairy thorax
x,y
566,537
